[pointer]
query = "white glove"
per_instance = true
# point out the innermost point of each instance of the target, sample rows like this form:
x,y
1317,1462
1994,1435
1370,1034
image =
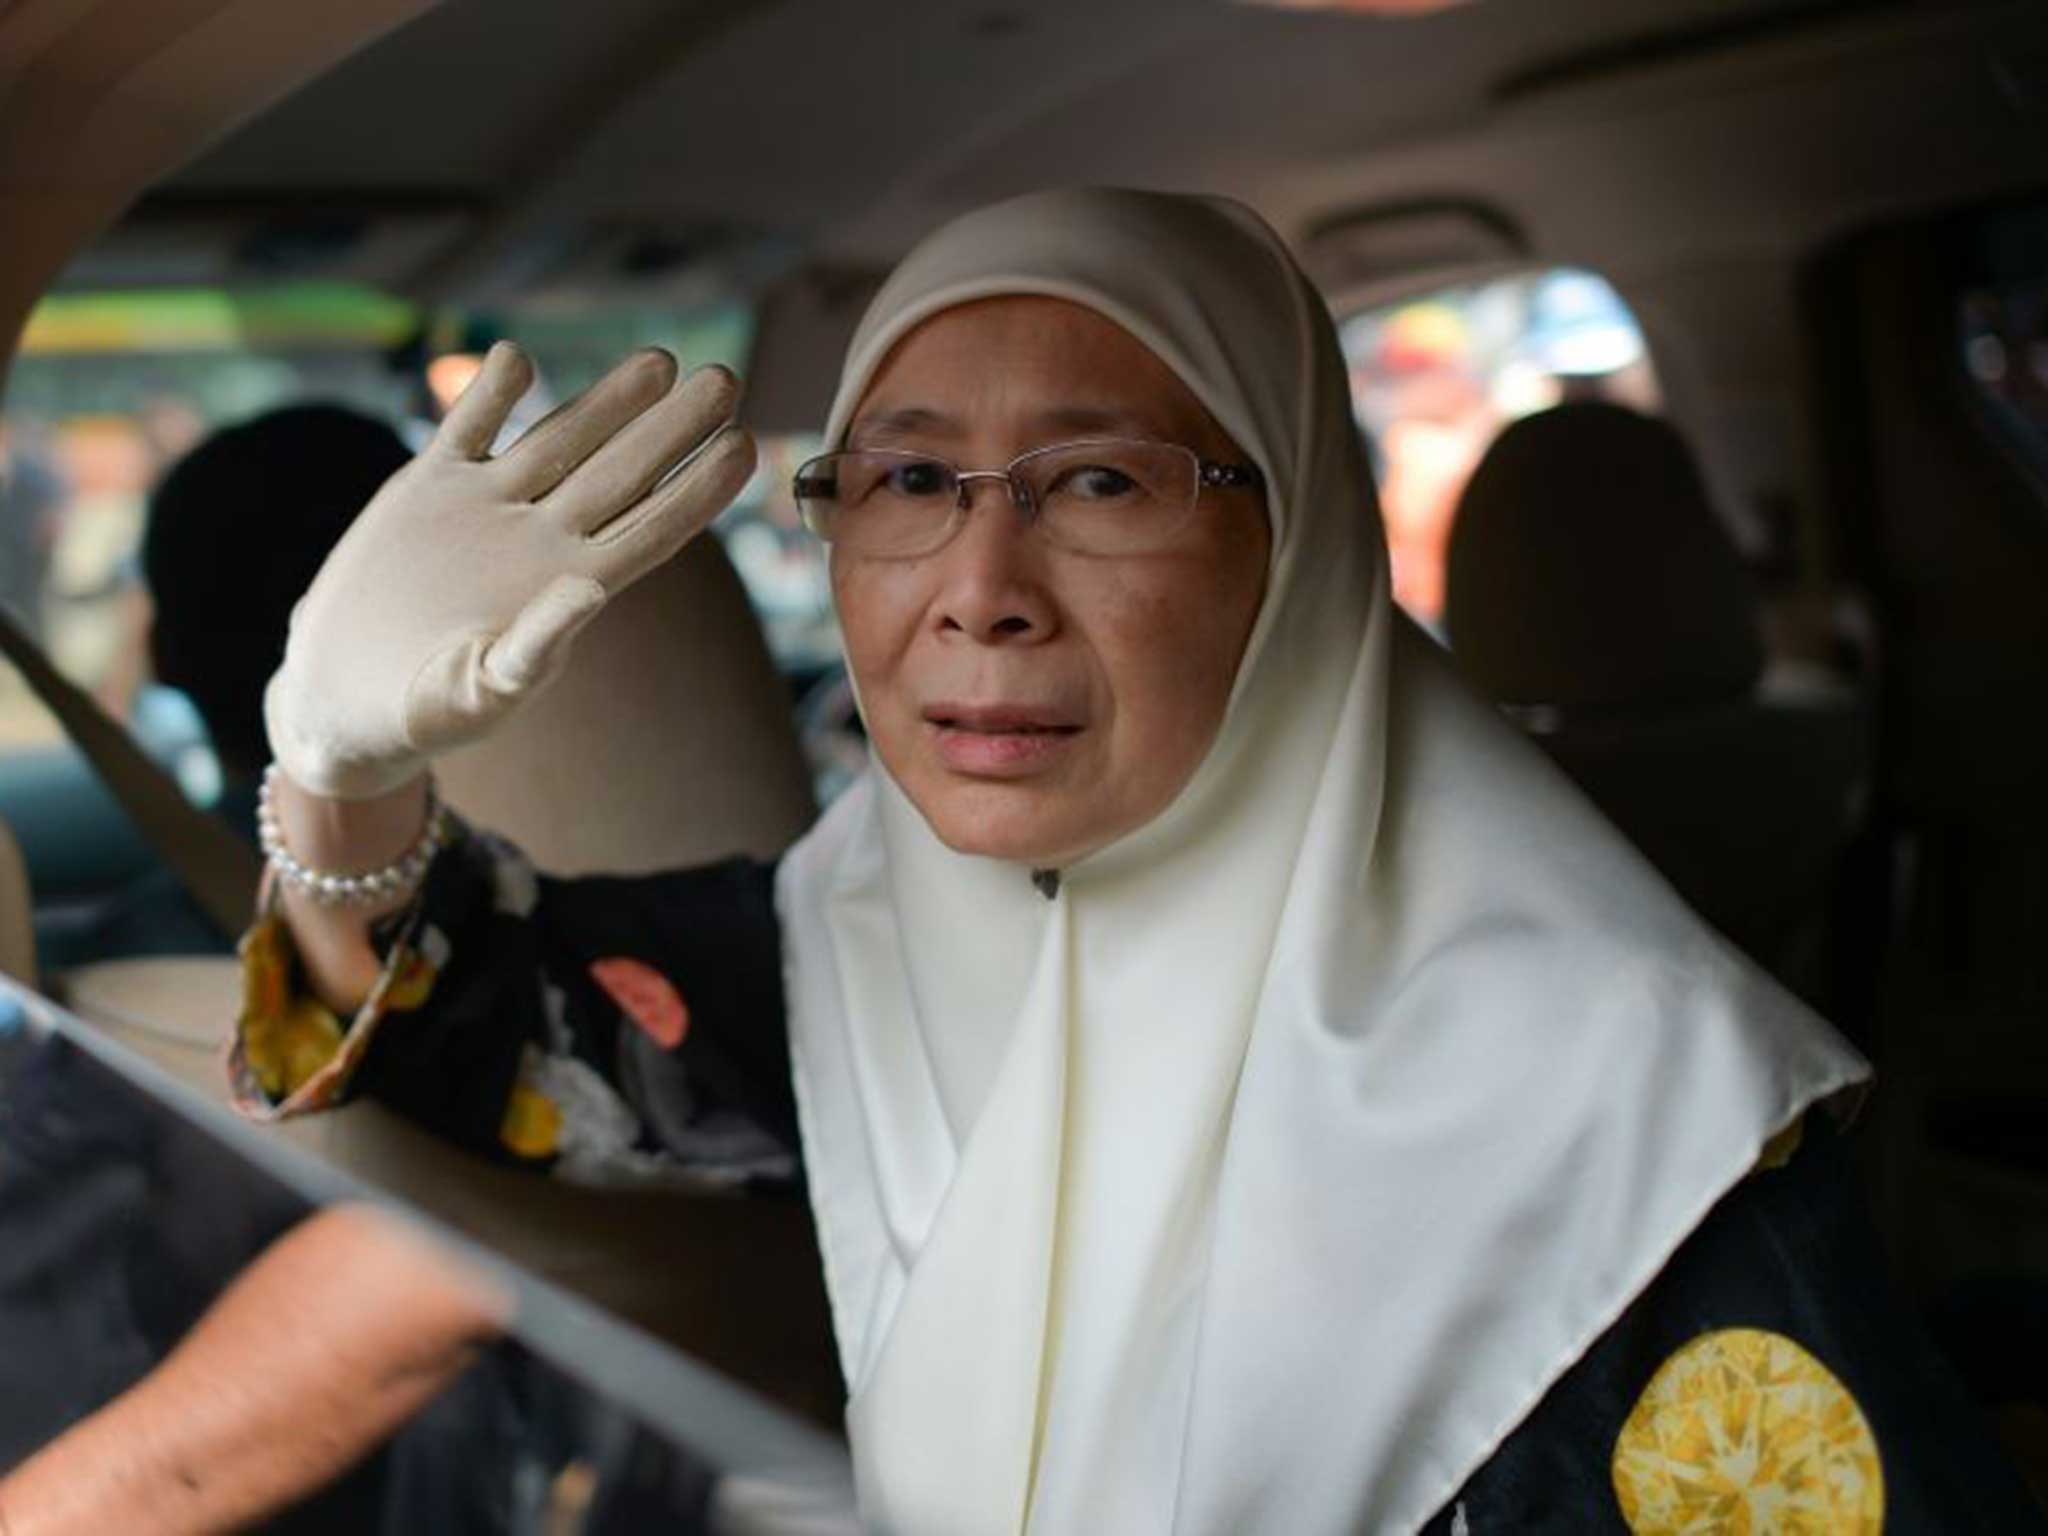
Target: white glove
x,y
455,594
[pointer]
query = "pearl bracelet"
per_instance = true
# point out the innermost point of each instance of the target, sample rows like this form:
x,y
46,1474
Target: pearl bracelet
x,y
358,890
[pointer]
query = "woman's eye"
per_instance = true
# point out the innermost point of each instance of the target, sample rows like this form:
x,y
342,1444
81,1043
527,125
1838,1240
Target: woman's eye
x,y
920,479
1093,482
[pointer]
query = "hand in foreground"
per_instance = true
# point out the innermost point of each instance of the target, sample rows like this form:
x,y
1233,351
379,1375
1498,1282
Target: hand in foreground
x,y
337,1334
456,593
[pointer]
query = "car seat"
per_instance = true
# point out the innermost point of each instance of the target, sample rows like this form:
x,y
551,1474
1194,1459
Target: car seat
x,y
669,744
667,741
1593,593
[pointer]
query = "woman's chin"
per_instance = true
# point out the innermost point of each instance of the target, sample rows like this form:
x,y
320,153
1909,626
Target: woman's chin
x,y
1019,823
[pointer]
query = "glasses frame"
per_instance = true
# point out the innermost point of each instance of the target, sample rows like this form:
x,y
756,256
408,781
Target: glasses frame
x,y
1210,474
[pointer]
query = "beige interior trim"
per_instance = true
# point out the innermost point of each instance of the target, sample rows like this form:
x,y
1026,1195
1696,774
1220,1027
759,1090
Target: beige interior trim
x,y
17,914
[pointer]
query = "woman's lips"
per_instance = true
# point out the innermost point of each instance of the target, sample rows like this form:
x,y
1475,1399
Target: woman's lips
x,y
998,741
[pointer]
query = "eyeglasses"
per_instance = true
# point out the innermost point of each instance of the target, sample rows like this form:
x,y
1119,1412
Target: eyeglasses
x,y
1107,496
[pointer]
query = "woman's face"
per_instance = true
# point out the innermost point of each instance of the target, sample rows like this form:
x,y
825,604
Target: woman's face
x,y
1035,704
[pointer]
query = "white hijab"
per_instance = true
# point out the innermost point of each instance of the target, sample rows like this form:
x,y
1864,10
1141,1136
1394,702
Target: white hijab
x,y
1265,1178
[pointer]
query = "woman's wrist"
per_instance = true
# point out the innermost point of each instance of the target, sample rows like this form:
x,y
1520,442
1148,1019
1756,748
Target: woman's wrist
x,y
349,835
353,883
343,836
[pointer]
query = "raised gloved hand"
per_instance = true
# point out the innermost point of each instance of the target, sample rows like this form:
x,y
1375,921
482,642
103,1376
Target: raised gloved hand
x,y
456,593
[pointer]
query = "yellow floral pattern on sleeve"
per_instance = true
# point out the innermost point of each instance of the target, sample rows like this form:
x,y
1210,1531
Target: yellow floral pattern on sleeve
x,y
532,1126
1743,1433
290,1054
286,1037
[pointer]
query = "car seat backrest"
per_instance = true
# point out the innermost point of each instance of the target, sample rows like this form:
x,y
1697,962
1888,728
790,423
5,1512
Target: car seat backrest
x,y
1592,588
1588,571
666,742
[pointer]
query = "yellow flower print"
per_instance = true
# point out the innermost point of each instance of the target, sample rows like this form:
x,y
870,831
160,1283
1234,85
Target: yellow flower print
x,y
412,982
1743,1433
285,1039
266,968
533,1124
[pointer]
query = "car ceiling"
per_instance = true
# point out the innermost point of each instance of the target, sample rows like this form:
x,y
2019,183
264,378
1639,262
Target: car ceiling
x,y
492,146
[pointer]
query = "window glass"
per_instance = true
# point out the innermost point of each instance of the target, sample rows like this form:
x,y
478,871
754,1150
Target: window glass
x,y
2002,323
1433,379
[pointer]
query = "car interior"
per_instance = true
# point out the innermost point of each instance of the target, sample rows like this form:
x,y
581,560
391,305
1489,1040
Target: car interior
x,y
1701,347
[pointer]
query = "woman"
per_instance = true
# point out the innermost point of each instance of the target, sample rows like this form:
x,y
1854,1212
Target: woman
x,y
1238,1086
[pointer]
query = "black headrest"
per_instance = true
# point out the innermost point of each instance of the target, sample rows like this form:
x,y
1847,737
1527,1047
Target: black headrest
x,y
1587,571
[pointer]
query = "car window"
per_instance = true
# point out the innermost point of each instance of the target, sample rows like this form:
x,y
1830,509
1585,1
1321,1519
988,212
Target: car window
x,y
1434,378
2002,329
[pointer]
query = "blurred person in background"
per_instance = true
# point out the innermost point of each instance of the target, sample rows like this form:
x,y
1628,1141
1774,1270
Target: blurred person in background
x,y
234,534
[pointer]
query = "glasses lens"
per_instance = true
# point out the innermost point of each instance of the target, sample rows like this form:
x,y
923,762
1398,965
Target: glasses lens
x,y
878,503
1112,497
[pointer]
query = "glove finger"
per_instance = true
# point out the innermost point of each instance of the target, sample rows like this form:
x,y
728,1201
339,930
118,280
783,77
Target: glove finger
x,y
539,461
625,469
478,414
675,511
536,642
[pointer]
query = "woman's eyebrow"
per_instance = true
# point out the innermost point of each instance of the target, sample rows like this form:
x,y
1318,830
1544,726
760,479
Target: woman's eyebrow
x,y
924,421
910,421
1098,421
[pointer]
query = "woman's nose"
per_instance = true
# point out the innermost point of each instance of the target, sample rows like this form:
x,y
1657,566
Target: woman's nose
x,y
992,576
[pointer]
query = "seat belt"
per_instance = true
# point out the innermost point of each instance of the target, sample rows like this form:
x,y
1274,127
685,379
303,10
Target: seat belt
x,y
218,869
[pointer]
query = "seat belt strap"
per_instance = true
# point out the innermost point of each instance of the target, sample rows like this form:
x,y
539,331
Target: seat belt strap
x,y
218,869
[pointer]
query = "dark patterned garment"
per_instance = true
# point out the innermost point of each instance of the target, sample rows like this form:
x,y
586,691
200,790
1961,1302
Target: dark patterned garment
x,y
1768,1380
630,1029
606,1029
